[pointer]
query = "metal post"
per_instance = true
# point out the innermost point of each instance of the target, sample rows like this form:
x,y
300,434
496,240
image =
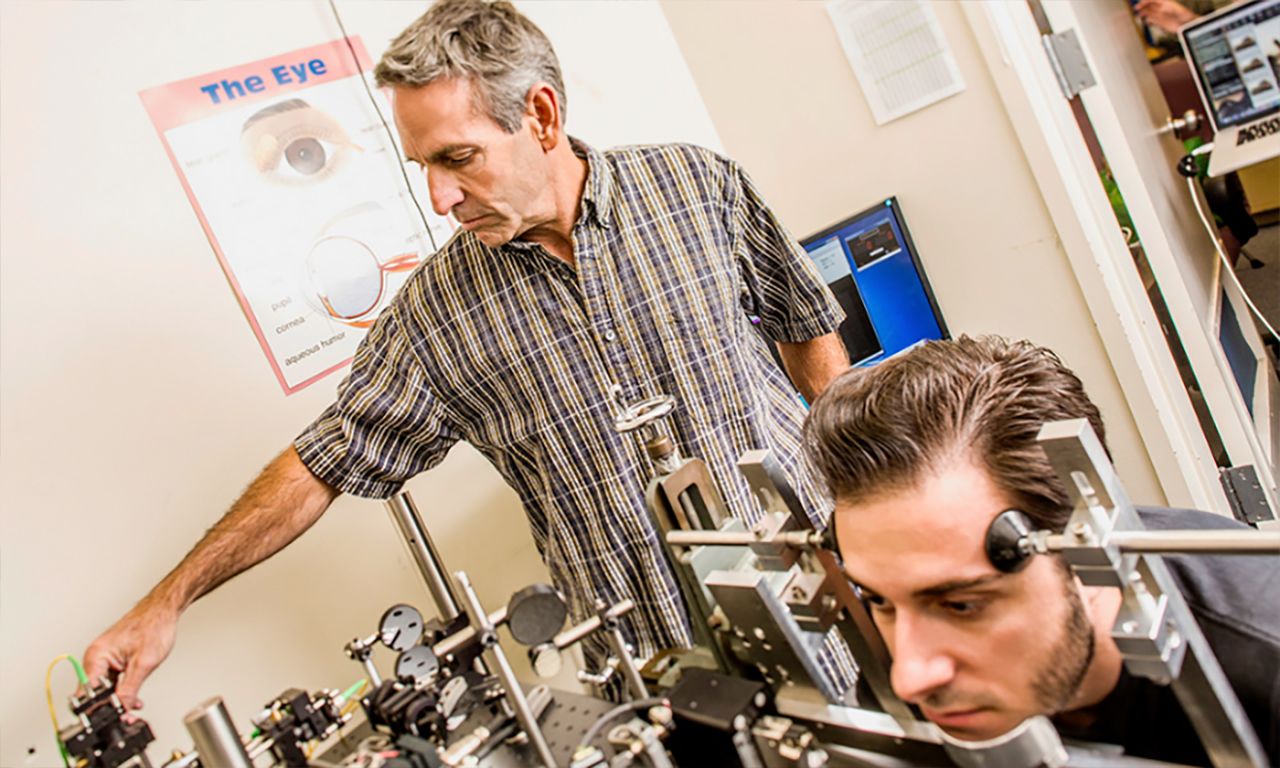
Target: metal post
x,y
362,651
613,634
498,661
1156,631
424,552
1229,542
215,736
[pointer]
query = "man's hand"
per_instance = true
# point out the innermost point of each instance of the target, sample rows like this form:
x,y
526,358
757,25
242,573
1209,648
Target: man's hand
x,y
131,649
1168,15
283,502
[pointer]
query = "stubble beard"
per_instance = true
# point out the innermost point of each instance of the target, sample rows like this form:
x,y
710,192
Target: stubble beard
x,y
1067,662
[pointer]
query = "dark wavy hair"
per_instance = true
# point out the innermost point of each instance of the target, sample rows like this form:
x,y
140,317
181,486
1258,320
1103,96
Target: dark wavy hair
x,y
883,428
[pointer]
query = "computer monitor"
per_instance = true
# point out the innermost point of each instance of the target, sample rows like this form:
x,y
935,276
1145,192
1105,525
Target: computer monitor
x,y
1235,54
871,265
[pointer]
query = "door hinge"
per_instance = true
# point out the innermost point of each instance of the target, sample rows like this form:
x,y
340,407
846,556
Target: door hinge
x,y
1244,492
1068,61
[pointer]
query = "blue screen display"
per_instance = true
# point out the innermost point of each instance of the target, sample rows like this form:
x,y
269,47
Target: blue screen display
x,y
1244,364
869,263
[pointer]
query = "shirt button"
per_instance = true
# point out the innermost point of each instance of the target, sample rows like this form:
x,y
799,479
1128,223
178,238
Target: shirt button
x,y
610,336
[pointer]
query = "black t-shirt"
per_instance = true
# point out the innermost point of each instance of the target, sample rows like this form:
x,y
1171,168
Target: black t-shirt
x,y
1236,604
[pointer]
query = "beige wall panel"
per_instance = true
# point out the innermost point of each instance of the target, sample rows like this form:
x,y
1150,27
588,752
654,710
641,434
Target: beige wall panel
x,y
788,107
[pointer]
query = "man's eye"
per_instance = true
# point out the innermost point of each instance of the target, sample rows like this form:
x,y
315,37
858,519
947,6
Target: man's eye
x,y
294,143
962,608
882,613
457,161
877,603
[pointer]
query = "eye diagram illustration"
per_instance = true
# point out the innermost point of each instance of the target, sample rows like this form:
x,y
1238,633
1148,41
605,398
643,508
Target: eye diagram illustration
x,y
346,272
292,142
349,280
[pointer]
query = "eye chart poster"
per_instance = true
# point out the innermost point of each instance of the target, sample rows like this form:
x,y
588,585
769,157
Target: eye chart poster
x,y
299,191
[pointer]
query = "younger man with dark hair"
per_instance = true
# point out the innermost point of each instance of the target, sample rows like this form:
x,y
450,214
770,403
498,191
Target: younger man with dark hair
x,y
921,453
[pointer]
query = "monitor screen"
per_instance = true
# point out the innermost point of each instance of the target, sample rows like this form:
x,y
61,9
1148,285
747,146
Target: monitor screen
x,y
871,265
1236,57
1243,362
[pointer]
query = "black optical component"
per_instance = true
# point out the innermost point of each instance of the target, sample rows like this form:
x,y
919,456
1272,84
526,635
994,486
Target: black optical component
x,y
1005,541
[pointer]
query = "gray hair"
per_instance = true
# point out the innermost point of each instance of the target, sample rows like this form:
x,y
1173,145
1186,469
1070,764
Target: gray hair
x,y
490,44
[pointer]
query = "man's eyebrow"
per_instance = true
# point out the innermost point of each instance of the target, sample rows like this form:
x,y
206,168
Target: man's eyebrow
x,y
448,149
958,585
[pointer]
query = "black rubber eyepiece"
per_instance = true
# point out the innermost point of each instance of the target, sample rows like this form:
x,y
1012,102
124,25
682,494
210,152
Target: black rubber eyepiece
x,y
1004,543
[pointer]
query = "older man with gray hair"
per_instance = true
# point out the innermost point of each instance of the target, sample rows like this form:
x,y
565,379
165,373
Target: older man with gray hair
x,y
581,281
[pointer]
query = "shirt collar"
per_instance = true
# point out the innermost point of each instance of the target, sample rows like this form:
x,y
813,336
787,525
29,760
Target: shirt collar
x,y
597,193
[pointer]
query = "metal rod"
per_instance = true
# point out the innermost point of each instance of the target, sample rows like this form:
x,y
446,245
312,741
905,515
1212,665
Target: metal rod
x,y
1099,501
619,645
798,539
578,631
865,642
424,552
371,671
215,737
258,748
498,661
1239,542
459,639
1215,712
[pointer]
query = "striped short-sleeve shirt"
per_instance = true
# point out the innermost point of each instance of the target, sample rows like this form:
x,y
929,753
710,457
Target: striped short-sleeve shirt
x,y
527,358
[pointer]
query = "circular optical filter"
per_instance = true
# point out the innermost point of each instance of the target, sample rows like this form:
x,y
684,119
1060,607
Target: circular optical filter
x,y
400,628
346,275
418,663
536,614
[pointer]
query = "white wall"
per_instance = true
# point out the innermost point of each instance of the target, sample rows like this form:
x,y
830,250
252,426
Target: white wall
x,y
135,403
789,108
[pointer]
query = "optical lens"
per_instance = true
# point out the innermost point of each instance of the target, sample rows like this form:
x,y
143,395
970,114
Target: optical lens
x,y
346,274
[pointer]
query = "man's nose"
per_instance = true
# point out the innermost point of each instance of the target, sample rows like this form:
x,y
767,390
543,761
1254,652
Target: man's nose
x,y
921,664
445,191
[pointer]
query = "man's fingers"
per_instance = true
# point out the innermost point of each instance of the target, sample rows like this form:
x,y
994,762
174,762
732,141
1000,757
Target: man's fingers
x,y
130,681
99,663
129,652
127,690
95,663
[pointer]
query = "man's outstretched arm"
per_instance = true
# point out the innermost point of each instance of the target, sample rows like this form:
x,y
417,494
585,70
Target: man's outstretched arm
x,y
282,503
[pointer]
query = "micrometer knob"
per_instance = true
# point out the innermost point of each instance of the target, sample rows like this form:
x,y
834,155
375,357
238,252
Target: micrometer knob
x,y
643,413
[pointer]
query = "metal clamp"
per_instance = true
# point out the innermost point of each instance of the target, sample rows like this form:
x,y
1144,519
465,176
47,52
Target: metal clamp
x,y
643,414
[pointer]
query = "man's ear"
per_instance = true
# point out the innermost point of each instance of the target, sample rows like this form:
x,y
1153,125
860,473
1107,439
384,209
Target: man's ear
x,y
1102,603
543,108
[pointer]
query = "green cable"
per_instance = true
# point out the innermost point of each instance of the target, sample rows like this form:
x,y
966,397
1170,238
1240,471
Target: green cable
x,y
84,679
347,694
57,737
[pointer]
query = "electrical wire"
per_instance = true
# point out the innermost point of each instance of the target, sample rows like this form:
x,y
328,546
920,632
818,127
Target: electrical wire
x,y
395,143
1226,261
614,713
352,697
356,688
48,695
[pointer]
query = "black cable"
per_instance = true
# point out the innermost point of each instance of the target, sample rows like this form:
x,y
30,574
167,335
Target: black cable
x,y
613,714
395,144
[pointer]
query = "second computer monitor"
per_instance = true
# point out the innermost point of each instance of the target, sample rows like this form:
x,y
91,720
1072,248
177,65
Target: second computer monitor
x,y
871,266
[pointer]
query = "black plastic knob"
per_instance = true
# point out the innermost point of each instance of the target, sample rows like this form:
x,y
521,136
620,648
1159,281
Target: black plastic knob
x,y
1006,541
